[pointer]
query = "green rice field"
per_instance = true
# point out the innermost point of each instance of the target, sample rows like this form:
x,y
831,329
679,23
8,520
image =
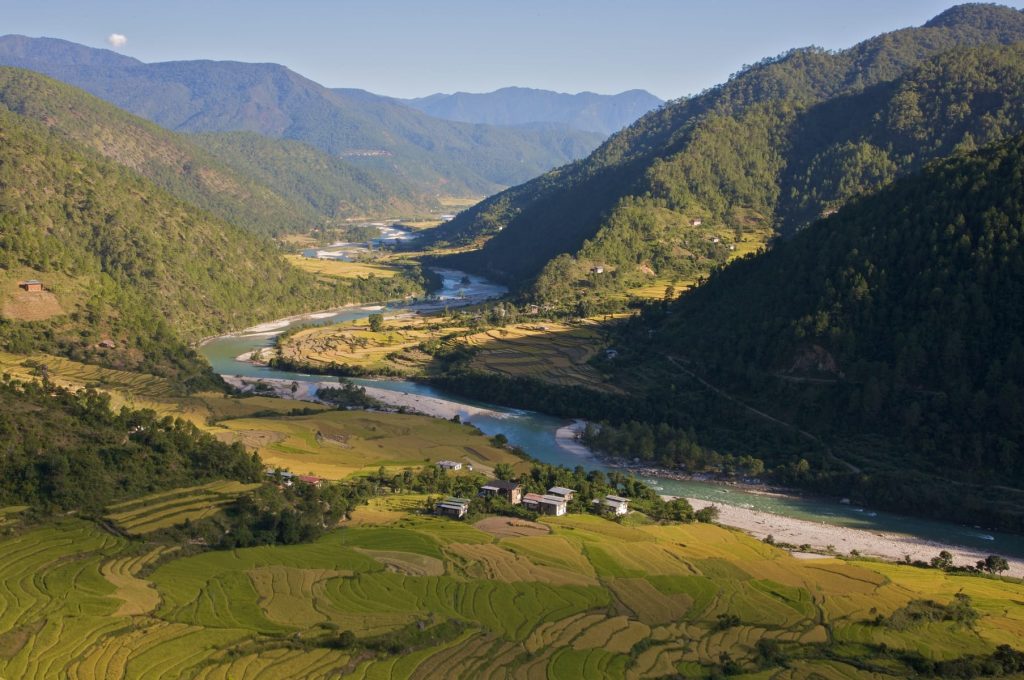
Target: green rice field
x,y
588,598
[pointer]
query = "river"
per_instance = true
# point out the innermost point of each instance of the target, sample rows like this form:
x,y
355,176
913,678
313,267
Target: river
x,y
536,432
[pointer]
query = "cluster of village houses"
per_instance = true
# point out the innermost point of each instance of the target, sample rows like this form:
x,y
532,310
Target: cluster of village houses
x,y
554,502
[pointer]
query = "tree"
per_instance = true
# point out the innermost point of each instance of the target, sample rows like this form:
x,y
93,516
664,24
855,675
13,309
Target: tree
x,y
376,322
993,564
944,560
503,471
707,515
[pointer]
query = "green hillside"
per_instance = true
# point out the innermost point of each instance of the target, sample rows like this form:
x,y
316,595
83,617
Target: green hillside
x,y
173,162
372,132
126,262
320,184
763,151
892,330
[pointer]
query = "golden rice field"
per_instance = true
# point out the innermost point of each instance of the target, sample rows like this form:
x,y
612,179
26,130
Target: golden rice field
x,y
172,508
590,599
353,343
549,351
337,444
338,269
545,350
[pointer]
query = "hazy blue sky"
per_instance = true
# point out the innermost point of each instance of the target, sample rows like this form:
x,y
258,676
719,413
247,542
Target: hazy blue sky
x,y
415,47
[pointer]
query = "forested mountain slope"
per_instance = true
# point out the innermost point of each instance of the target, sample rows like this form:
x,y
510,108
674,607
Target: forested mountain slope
x,y
174,162
602,113
373,132
760,151
124,261
313,180
893,329
65,451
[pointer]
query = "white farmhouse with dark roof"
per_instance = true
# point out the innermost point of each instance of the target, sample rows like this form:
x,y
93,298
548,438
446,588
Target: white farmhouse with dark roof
x,y
610,504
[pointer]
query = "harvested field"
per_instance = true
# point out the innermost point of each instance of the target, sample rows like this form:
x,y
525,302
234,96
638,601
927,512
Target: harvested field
x,y
647,604
139,595
409,564
504,527
493,562
24,306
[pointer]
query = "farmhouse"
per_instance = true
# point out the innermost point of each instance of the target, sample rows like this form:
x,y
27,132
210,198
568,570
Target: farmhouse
x,y
696,222
597,270
510,491
32,285
449,465
452,507
610,504
285,476
562,492
311,480
547,504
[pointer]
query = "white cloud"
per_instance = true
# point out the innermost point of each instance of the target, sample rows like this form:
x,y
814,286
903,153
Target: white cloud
x,y
116,40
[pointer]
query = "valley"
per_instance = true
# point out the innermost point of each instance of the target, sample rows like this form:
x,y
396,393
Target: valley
x,y
305,381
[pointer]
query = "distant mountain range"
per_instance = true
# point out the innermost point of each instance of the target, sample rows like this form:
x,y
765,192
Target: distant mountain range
x,y
601,113
260,184
411,150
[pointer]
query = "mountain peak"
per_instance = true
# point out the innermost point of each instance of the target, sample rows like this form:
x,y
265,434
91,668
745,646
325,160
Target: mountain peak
x,y
21,50
984,16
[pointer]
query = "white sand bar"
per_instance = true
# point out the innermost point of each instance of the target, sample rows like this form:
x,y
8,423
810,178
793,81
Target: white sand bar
x,y
888,546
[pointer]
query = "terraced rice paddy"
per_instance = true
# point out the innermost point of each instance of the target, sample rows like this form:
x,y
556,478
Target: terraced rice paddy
x,y
592,598
172,508
353,343
549,351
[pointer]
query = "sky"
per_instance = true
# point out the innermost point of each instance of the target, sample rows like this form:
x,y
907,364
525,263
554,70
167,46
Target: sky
x,y
411,48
